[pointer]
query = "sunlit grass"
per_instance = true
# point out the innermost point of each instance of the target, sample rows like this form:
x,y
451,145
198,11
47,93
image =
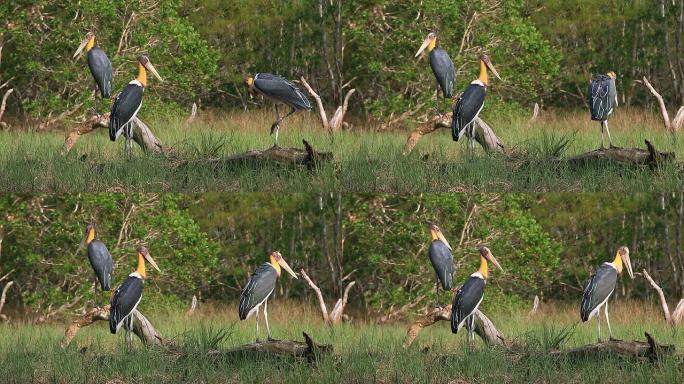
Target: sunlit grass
x,y
363,351
364,159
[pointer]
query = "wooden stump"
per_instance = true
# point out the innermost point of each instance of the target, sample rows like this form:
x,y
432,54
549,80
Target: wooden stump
x,y
142,327
649,156
639,349
307,349
307,156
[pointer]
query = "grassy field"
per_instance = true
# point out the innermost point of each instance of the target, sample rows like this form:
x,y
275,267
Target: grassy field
x,y
364,352
365,160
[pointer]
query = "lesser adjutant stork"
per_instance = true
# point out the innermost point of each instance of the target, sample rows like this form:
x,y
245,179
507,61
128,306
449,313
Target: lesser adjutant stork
x,y
601,286
471,103
442,260
100,258
99,64
128,103
128,295
441,64
469,297
279,91
259,288
602,101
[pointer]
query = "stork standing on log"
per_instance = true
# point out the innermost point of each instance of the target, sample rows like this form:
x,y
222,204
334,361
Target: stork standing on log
x,y
442,66
128,103
469,297
468,107
279,91
602,101
99,64
442,261
128,295
601,286
259,288
100,258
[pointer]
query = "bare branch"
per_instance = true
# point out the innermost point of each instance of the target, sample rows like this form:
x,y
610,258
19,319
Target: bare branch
x,y
661,103
319,103
678,120
678,313
193,307
321,302
338,310
4,294
535,306
661,295
4,102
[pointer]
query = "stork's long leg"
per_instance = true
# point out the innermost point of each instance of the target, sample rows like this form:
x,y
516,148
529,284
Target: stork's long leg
x,y
95,291
610,331
275,127
437,106
598,323
470,325
437,293
257,324
602,134
610,140
268,327
129,334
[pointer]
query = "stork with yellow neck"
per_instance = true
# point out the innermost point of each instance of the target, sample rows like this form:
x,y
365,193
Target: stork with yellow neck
x,y
129,294
99,257
469,297
99,64
601,286
259,288
129,102
442,260
441,64
470,104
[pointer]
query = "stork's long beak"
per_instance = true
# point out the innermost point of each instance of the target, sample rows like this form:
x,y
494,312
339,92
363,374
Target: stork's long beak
x,y
426,42
151,261
491,68
440,236
492,259
84,42
286,267
150,68
627,263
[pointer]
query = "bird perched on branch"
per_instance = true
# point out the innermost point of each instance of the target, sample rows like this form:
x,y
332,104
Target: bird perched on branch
x,y
602,101
441,64
601,286
279,91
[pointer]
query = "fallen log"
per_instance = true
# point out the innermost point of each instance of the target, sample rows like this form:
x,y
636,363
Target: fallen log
x,y
484,134
142,134
307,349
484,327
142,327
649,349
650,156
307,156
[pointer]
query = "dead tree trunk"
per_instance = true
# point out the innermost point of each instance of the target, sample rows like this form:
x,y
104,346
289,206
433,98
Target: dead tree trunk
x,y
142,134
676,123
335,316
3,297
649,349
484,134
307,156
484,327
650,156
142,327
673,318
335,123
307,349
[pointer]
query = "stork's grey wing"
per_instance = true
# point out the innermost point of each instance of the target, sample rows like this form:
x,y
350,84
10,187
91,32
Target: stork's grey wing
x,y
466,301
444,70
125,107
124,301
281,90
601,100
101,69
612,93
101,261
467,109
443,263
601,285
260,285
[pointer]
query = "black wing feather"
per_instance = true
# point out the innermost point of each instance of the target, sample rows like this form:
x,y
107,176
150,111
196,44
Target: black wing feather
x,y
601,285
259,286
467,109
444,70
443,263
124,109
124,301
466,301
101,261
281,90
101,69
602,96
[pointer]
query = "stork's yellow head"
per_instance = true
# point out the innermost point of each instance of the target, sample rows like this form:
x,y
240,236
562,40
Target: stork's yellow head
x,y
429,43
90,233
437,234
249,84
612,75
86,45
622,259
277,261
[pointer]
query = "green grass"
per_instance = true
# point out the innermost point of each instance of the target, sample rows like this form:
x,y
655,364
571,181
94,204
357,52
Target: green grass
x,y
364,352
365,160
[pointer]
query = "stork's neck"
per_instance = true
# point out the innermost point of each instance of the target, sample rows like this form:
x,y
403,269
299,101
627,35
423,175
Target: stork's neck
x,y
483,73
433,44
618,262
142,75
141,265
484,269
434,235
275,265
90,45
91,236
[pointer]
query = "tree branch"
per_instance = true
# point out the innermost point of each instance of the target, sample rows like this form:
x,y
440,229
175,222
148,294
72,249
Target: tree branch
x,y
321,302
661,103
661,295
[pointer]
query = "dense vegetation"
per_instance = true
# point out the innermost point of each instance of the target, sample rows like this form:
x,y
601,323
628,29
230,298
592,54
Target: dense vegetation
x,y
208,244
545,50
